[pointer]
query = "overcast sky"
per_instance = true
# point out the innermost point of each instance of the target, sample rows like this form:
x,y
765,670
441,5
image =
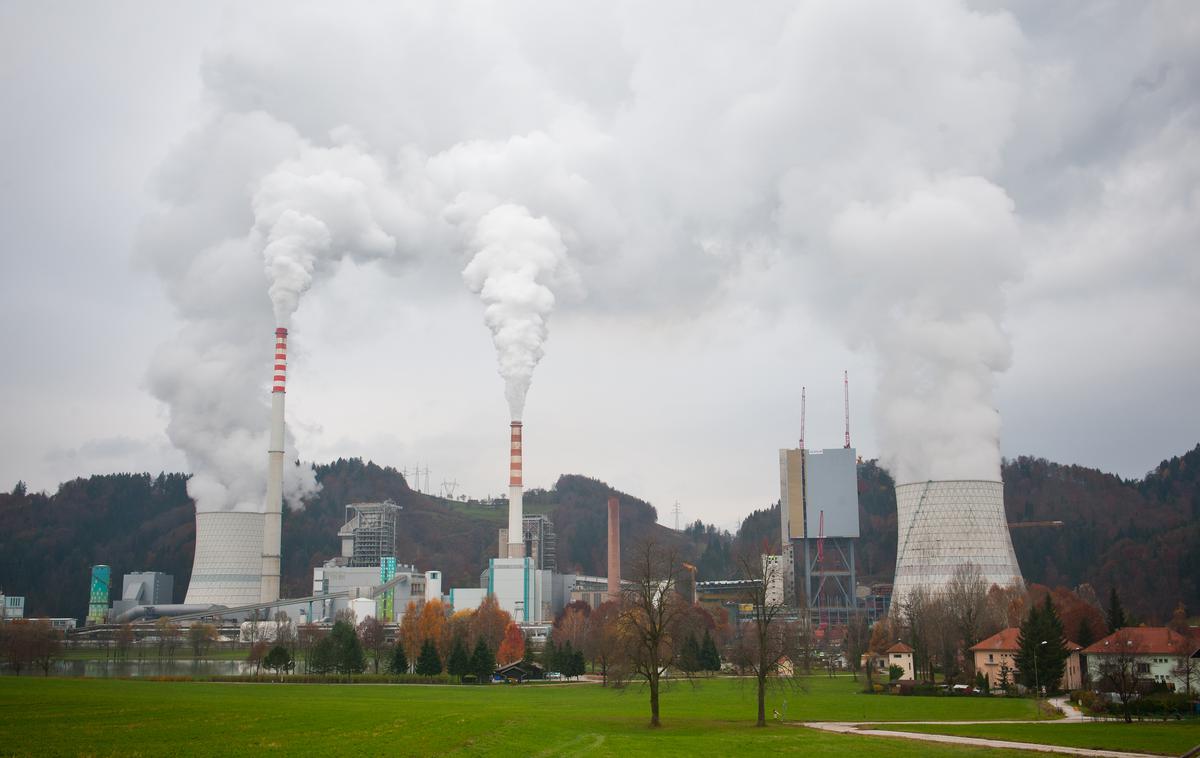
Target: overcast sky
x,y
988,213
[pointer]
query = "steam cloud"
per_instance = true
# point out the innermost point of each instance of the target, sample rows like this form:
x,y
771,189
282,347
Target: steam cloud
x,y
856,158
519,259
309,207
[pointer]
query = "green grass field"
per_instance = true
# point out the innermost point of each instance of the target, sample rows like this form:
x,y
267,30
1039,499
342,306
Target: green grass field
x,y
1165,738
94,717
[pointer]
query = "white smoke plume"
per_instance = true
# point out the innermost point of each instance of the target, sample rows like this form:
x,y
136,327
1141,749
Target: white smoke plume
x,y
930,267
246,196
519,260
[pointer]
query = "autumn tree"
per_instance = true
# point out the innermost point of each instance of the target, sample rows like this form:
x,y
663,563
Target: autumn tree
x,y
512,647
410,631
432,625
648,619
489,622
572,624
602,645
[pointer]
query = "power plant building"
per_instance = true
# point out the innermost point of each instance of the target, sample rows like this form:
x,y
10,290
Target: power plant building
x,y
943,525
818,509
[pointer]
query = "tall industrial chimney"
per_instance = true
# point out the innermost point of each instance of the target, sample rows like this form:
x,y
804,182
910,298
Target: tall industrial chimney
x,y
614,549
273,518
516,493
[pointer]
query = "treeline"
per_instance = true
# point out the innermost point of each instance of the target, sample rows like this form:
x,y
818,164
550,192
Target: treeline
x,y
1140,536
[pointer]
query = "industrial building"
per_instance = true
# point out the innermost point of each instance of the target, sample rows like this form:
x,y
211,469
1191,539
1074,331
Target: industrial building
x,y
142,588
369,534
11,607
818,511
944,525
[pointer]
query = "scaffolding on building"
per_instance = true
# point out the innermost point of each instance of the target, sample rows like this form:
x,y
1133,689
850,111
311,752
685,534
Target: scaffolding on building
x,y
369,534
540,541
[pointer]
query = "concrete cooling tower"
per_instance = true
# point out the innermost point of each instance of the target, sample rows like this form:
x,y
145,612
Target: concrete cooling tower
x,y
227,569
944,525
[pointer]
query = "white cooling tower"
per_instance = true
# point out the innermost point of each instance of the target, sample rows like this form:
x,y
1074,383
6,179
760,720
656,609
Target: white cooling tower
x,y
227,569
944,525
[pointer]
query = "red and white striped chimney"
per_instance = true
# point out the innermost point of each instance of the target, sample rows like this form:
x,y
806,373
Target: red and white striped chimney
x,y
614,549
273,516
516,493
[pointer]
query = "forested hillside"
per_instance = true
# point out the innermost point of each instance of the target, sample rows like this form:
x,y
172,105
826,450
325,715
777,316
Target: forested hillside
x,y
1141,536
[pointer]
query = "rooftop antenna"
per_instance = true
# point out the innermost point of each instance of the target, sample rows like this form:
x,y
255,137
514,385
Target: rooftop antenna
x,y
846,386
802,390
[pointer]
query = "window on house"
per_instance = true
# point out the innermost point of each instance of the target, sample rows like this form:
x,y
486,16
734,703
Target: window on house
x,y
990,659
1143,668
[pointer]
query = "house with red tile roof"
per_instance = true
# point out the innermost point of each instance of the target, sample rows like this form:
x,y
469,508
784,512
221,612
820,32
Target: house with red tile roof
x,y
1155,653
1000,651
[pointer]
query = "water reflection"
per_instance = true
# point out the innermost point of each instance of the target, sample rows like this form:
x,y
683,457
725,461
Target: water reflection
x,y
142,668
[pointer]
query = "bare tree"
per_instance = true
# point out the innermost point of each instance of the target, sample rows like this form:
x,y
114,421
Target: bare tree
x,y
1187,665
125,639
1119,671
45,645
768,639
199,635
966,597
648,618
168,637
374,638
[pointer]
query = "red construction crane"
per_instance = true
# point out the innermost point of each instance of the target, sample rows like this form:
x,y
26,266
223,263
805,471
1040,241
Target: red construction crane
x,y
846,386
802,417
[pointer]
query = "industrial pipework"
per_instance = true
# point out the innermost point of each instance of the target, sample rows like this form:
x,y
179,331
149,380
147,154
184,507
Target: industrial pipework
x,y
273,517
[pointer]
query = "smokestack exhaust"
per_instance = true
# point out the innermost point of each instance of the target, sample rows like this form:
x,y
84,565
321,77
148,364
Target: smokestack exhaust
x,y
273,516
614,549
516,493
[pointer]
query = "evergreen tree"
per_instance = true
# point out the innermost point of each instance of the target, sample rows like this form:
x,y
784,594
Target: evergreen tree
x,y
1086,635
483,662
550,656
349,657
689,656
710,658
323,658
459,662
1003,682
1116,614
1042,652
399,662
428,663
563,661
578,664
